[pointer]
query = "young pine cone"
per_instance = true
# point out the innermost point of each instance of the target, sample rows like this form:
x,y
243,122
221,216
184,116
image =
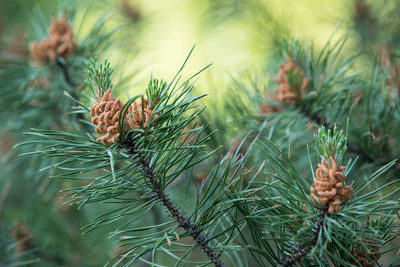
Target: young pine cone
x,y
105,115
290,91
60,28
39,51
60,43
139,115
62,39
287,92
367,257
328,189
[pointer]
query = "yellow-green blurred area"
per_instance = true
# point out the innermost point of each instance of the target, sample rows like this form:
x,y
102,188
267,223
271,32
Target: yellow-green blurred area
x,y
235,36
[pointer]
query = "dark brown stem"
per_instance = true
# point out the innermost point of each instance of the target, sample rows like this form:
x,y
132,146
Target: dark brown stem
x,y
178,214
303,250
65,71
315,118
69,81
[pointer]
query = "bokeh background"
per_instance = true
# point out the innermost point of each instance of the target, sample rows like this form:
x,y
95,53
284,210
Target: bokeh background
x,y
235,36
238,37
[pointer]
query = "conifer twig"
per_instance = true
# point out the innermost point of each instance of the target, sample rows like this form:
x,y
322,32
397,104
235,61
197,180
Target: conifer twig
x,y
303,250
179,215
64,69
320,121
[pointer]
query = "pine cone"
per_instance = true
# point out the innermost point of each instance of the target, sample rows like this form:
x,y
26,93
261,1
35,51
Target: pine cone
x,y
328,189
60,27
39,51
65,47
62,38
367,257
60,43
286,95
105,115
139,115
289,91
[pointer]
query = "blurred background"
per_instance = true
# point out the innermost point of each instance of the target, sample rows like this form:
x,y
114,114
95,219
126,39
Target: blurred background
x,y
238,37
233,35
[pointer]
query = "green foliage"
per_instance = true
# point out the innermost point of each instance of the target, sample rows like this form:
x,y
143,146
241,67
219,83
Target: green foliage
x,y
374,120
34,96
156,92
331,144
288,215
165,143
9,254
236,207
99,79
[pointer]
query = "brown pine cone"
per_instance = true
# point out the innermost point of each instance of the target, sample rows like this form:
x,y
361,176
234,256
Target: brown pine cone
x,y
39,51
139,115
60,43
328,189
60,27
105,116
367,257
289,91
62,38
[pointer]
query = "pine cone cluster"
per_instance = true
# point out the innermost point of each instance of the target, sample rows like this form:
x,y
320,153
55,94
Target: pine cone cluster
x,y
60,43
292,84
328,189
105,115
367,257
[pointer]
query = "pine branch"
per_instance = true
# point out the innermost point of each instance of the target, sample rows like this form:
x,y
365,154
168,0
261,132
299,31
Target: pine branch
x,y
319,120
65,72
352,147
303,250
183,221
